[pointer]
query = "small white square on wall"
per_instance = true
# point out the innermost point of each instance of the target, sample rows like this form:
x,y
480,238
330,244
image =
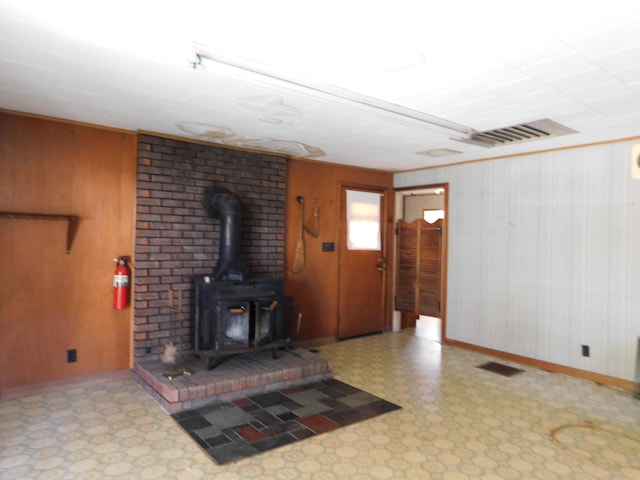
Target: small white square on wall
x,y
635,161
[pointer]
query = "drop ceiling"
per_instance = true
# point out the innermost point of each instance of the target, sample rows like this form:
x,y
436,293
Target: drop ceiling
x,y
394,85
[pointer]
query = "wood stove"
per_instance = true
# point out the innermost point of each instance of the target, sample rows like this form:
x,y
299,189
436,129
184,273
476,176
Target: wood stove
x,y
232,316
235,313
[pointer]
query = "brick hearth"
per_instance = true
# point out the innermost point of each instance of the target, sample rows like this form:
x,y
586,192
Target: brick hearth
x,y
238,377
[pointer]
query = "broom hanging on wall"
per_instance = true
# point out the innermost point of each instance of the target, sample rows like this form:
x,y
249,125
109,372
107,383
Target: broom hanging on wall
x,y
298,259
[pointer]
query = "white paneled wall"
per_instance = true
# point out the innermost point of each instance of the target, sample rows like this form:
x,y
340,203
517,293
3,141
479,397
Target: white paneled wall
x,y
544,255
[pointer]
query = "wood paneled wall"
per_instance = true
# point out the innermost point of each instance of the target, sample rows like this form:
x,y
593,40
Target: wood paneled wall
x,y
315,289
50,301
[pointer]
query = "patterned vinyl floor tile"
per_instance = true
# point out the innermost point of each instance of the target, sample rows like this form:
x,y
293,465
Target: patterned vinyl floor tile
x,y
456,422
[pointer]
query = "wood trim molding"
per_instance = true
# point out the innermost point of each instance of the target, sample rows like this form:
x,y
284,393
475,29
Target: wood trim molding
x,y
63,384
521,154
67,121
548,366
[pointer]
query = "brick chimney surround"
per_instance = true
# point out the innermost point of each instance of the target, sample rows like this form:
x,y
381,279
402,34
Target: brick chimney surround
x,y
176,240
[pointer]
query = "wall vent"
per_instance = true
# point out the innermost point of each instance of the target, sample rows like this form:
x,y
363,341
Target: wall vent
x,y
524,132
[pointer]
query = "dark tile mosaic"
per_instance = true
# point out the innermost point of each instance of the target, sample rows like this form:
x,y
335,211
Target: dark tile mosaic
x,y
231,431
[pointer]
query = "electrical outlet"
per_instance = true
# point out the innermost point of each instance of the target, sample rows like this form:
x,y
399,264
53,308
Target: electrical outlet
x,y
585,350
72,355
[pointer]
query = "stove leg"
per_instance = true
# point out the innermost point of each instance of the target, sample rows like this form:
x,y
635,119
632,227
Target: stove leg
x,y
213,362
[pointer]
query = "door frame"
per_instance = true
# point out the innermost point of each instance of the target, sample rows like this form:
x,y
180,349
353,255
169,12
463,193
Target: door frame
x,y
388,246
399,215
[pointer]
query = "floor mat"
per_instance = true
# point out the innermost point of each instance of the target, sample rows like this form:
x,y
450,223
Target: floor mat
x,y
500,369
230,431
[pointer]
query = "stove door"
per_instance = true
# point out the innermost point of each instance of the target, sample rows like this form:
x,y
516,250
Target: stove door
x,y
234,324
264,314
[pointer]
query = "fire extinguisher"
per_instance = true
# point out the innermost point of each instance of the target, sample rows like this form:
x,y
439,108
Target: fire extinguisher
x,y
121,284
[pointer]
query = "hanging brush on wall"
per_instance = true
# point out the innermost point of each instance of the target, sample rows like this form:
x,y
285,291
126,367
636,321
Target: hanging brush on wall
x,y
299,257
174,301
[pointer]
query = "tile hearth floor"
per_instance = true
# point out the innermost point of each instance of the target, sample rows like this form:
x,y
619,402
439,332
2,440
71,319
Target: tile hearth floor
x,y
230,431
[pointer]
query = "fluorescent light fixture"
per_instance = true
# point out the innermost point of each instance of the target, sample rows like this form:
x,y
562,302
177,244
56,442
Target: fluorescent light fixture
x,y
205,56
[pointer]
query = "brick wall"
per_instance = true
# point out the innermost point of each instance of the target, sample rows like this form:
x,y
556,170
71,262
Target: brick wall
x,y
176,239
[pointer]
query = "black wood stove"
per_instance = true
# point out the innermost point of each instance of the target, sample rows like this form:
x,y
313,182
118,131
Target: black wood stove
x,y
235,313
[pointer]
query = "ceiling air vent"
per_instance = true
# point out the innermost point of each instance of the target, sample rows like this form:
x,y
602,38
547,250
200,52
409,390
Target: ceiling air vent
x,y
525,132
438,152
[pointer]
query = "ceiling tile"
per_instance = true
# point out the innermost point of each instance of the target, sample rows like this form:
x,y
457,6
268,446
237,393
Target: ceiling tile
x,y
577,65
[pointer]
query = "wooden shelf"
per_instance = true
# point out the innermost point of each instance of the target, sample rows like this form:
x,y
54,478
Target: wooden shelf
x,y
72,221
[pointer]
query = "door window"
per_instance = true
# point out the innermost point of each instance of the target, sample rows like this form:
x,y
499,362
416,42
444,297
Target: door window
x,y
363,220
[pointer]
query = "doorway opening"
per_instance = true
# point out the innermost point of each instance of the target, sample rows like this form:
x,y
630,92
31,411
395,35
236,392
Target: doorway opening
x,y
429,205
429,327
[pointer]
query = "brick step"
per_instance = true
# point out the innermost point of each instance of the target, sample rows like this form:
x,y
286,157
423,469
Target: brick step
x,y
239,376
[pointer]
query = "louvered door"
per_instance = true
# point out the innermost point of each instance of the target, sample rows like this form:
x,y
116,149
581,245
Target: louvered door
x,y
418,279
429,268
407,267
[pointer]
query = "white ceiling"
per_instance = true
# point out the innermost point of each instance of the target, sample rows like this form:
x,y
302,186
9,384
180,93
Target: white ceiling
x,y
480,65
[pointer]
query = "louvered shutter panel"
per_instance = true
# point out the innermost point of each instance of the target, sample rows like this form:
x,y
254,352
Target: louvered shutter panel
x,y
407,273
419,267
429,268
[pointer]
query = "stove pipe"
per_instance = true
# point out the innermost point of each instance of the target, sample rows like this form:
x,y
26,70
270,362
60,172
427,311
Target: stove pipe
x,y
221,204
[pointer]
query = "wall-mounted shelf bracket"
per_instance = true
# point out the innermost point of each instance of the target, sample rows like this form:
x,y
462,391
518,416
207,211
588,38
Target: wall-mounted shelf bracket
x,y
72,222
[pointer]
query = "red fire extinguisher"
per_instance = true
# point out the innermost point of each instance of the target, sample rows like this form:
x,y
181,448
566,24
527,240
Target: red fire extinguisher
x,y
121,284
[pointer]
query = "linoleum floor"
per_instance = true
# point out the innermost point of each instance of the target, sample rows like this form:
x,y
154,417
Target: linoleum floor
x,y
456,422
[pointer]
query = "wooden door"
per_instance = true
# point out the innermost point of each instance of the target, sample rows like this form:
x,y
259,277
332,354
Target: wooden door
x,y
430,268
407,267
361,275
418,278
